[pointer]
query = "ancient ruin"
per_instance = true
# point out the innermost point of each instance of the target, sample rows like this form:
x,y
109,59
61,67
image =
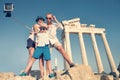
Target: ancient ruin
x,y
74,26
82,71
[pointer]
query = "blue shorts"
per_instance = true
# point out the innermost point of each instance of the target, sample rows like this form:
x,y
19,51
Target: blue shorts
x,y
42,51
30,43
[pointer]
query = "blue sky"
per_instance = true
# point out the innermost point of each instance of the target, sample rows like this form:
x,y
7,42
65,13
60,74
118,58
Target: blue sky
x,y
13,35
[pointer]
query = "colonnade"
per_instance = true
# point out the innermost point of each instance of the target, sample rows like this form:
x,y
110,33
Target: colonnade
x,y
74,26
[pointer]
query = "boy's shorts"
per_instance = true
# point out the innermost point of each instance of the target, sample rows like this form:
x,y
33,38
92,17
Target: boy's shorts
x,y
30,43
42,51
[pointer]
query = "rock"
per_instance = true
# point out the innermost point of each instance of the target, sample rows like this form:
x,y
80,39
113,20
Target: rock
x,y
104,77
5,76
79,72
12,76
23,78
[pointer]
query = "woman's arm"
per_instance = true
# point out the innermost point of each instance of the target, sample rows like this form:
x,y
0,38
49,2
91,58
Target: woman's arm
x,y
35,28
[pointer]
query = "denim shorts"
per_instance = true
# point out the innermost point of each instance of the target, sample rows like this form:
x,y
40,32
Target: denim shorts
x,y
30,43
42,51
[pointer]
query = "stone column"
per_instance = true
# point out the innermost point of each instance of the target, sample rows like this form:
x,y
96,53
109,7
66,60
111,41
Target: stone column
x,y
109,54
66,65
68,47
83,51
97,54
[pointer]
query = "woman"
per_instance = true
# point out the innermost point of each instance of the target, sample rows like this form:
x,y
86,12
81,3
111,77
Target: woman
x,y
30,46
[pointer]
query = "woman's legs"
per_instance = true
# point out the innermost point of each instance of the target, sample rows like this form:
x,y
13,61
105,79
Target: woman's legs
x,y
31,51
29,65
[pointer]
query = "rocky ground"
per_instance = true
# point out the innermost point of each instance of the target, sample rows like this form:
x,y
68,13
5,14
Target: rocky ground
x,y
79,72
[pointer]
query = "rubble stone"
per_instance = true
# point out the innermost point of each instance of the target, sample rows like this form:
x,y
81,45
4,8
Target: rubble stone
x,y
79,72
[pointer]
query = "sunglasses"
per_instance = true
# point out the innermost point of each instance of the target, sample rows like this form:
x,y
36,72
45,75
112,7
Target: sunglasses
x,y
43,28
48,18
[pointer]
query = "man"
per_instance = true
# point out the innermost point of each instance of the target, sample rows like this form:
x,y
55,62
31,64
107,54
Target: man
x,y
52,27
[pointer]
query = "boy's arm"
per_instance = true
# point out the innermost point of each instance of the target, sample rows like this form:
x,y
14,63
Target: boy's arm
x,y
36,40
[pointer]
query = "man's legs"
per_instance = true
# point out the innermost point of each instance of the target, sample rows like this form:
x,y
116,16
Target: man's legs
x,y
65,55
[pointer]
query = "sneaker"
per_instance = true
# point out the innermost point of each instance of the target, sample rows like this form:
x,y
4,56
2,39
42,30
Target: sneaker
x,y
52,75
23,74
72,65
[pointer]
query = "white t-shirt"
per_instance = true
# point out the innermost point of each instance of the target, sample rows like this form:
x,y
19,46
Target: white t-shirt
x,y
31,36
42,39
53,32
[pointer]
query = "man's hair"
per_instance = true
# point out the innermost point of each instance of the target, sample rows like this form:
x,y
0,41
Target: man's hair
x,y
49,14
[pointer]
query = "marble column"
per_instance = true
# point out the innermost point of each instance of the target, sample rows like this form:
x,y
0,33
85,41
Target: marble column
x,y
83,51
68,48
97,54
66,65
109,54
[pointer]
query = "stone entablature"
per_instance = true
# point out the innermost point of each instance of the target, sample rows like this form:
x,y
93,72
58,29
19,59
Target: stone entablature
x,y
74,26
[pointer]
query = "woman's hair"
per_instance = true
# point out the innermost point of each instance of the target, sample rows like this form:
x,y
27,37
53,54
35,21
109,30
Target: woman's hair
x,y
39,18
